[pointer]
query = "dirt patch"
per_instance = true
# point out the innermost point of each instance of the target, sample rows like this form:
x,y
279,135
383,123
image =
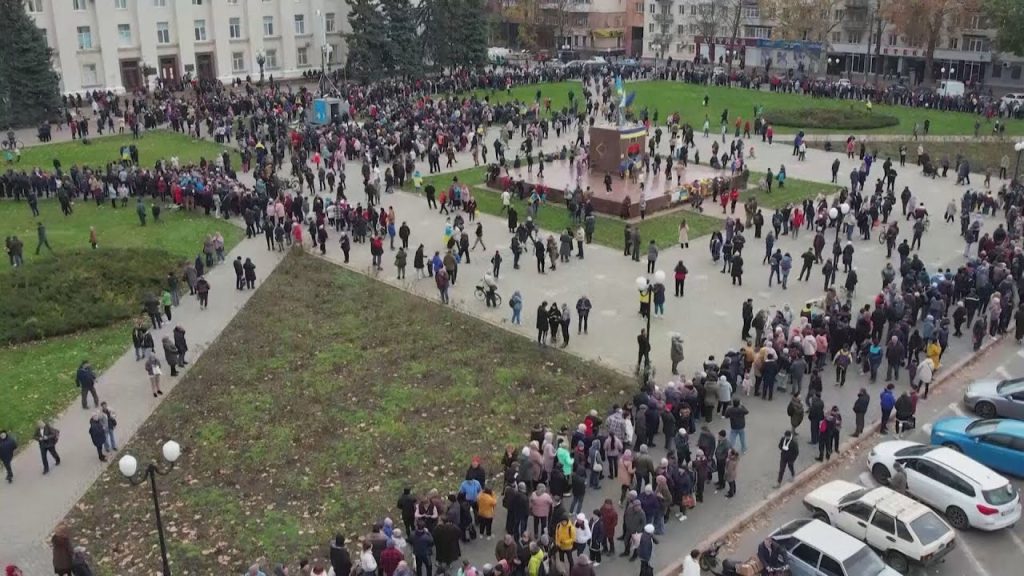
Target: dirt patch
x,y
324,397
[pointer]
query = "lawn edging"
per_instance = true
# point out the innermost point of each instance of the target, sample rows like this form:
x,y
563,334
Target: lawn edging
x,y
815,470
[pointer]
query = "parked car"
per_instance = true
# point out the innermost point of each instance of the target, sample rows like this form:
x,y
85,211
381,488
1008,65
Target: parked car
x,y
992,398
967,493
814,548
996,443
901,529
1013,98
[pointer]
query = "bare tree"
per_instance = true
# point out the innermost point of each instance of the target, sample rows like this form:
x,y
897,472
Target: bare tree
x,y
926,22
805,20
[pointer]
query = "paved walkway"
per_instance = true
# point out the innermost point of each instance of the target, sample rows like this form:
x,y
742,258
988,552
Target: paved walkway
x,y
708,317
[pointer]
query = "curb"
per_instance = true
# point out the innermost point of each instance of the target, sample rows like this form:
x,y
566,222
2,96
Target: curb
x,y
816,470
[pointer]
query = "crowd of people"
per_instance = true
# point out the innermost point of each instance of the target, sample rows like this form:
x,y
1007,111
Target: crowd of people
x,y
391,127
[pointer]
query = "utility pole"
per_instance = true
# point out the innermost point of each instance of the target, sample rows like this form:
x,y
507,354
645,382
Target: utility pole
x,y
878,40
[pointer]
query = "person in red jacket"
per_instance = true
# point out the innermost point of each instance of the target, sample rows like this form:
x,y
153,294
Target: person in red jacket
x,y
390,558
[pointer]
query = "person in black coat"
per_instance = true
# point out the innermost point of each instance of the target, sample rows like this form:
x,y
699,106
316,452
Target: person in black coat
x,y
422,547
239,273
789,450
170,354
407,505
181,344
8,445
98,436
860,407
250,274
542,323
446,544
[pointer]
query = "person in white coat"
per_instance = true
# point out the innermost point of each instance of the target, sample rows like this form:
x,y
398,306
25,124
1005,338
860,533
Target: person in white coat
x,y
925,373
582,534
691,565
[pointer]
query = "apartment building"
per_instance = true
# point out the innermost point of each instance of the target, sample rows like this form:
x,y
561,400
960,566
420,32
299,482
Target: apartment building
x,y
583,27
966,51
106,44
745,33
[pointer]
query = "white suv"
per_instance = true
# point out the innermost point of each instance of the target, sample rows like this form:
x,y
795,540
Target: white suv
x,y
904,531
966,492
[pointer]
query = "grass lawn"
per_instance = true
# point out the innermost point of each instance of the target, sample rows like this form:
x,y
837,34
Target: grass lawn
x,y
663,229
39,377
154,145
795,191
179,233
979,154
303,420
687,99
42,372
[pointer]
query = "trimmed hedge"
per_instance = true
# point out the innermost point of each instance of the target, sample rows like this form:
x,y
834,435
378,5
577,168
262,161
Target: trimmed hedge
x,y
79,290
830,118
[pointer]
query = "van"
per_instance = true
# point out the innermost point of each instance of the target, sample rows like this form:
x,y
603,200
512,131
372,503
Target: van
x,y
952,88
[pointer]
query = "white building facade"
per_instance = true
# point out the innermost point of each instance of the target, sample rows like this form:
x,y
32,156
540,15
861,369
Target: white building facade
x,y
702,31
105,44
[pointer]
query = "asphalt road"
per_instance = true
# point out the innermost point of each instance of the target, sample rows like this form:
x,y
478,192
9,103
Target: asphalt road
x,y
976,553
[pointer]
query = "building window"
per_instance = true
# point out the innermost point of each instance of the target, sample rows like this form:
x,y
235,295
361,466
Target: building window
x,y
1015,71
652,9
79,6
682,10
124,34
975,44
892,39
954,43
680,29
758,32
302,57
854,37
84,38
89,75
838,15
46,38
329,22
163,33
650,27
197,2
200,29
237,62
268,26
837,37
693,10
271,56
160,3
300,24
34,6
752,12
121,4
335,53
233,2
997,70
235,27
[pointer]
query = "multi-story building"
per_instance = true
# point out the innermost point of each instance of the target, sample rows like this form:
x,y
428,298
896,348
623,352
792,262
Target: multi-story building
x,y
745,33
106,44
583,27
965,52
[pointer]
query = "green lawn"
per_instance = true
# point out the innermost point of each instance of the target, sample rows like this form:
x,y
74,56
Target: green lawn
x,y
662,228
154,145
795,191
39,377
687,99
981,155
42,372
180,233
305,420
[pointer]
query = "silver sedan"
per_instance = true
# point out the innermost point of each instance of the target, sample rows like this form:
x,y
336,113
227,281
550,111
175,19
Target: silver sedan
x,y
992,398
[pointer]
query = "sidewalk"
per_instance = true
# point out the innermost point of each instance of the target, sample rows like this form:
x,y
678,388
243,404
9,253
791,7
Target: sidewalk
x,y
34,504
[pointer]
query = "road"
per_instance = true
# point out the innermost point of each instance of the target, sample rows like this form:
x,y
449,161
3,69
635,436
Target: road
x,y
976,553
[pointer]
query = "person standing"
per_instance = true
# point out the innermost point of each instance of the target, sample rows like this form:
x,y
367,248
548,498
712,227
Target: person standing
x,y
239,273
789,450
181,344
737,415
62,551
732,464
886,402
8,446
583,307
643,349
441,280
98,436
203,292
43,240
860,408
542,323
47,437
85,378
109,422
645,551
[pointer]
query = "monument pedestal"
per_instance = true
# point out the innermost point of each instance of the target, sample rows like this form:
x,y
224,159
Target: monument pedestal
x,y
611,146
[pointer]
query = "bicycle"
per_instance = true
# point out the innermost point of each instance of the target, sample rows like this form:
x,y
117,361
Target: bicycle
x,y
481,294
13,145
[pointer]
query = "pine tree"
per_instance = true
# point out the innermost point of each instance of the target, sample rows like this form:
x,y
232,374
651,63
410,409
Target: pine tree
x,y
403,57
367,43
29,87
473,24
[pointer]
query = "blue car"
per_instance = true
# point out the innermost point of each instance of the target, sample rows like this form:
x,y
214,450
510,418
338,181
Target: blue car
x,y
996,443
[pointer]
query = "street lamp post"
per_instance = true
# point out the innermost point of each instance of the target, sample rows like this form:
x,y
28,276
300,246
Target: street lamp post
x,y
128,466
948,71
833,214
261,59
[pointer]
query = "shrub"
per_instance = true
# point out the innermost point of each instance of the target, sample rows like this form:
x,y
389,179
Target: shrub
x,y
79,290
830,118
